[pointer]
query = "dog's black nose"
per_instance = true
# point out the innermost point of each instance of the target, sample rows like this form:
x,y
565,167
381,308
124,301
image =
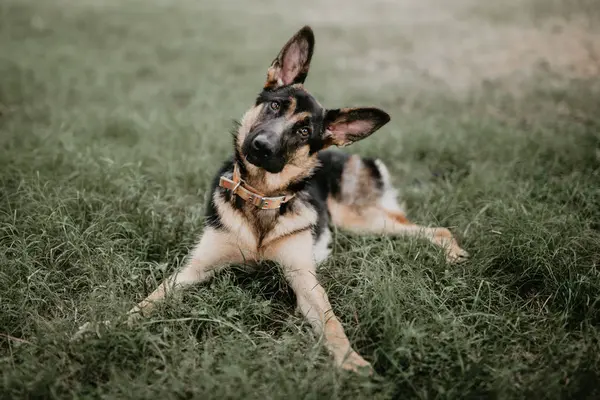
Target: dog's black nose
x,y
262,145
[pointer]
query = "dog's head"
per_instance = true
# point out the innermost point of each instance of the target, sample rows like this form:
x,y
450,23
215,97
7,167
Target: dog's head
x,y
287,126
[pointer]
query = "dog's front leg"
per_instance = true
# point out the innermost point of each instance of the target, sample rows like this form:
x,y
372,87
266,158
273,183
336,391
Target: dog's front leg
x,y
215,250
295,255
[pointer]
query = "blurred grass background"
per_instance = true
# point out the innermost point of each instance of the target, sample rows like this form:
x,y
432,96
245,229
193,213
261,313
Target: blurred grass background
x,y
115,115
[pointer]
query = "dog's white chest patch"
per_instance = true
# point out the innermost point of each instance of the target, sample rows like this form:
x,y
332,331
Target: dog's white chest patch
x,y
321,248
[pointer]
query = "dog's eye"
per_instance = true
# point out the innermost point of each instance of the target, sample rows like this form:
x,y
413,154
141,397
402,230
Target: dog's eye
x,y
274,106
304,131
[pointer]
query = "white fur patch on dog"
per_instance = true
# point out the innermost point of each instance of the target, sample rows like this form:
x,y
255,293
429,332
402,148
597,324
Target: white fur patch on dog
x,y
389,199
321,248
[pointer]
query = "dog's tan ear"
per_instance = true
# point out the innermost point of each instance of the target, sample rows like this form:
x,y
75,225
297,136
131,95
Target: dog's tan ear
x,y
348,125
292,64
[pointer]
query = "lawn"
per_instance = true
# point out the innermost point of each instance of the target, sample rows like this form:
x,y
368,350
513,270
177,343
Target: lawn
x,y
115,115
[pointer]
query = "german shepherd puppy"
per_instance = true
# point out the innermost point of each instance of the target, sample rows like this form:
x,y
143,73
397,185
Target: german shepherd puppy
x,y
277,196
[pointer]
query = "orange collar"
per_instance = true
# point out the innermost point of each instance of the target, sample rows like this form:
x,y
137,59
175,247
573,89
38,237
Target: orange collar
x,y
239,187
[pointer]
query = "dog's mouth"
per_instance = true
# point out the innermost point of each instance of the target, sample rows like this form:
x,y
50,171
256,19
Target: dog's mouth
x,y
271,164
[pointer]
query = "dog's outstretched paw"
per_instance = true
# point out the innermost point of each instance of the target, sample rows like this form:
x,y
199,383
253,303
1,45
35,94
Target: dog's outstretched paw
x,y
89,327
133,315
456,255
445,239
355,363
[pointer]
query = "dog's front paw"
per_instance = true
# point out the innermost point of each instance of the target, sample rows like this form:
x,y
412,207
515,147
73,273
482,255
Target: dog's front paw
x,y
455,254
89,327
355,363
135,314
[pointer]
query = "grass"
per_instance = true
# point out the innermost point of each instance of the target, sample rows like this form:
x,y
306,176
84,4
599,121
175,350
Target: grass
x,y
114,116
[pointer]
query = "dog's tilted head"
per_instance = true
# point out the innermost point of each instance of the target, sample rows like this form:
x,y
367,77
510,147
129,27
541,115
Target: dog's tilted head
x,y
287,126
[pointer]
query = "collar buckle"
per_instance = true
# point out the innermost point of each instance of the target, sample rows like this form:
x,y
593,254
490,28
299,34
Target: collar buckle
x,y
265,204
241,189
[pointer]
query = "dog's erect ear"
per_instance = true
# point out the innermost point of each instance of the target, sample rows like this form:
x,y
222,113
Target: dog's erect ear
x,y
348,125
292,63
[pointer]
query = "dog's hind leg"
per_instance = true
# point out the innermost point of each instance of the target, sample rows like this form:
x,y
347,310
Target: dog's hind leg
x,y
214,250
295,255
367,204
380,221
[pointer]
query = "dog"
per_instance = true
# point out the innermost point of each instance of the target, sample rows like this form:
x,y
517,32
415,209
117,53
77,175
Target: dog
x,y
277,197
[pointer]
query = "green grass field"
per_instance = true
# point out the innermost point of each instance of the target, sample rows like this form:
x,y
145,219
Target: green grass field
x,y
114,116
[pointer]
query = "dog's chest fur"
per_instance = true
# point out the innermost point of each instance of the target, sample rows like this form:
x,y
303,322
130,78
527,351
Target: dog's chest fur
x,y
253,229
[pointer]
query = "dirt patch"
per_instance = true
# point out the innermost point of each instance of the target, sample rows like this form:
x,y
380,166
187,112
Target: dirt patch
x,y
561,46
436,42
